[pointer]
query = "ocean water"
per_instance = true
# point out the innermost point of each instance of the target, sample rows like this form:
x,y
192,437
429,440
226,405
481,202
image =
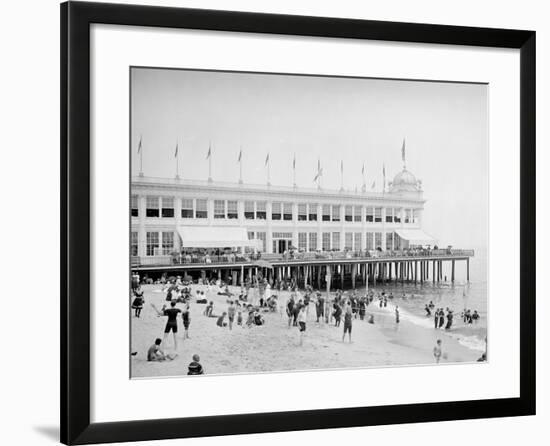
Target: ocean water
x,y
457,296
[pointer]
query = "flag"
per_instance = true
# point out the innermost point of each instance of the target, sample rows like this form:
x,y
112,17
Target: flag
x,y
209,154
403,150
139,145
176,152
363,170
294,162
319,175
342,167
240,155
267,159
384,170
373,185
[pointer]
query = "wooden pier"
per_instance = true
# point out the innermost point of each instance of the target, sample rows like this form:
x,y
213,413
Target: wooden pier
x,y
394,267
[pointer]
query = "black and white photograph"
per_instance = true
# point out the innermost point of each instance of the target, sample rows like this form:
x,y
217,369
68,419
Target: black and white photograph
x,y
286,222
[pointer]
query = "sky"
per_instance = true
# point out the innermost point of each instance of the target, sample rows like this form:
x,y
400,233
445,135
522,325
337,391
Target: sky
x,y
331,119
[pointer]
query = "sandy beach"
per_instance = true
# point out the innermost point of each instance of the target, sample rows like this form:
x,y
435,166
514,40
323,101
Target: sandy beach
x,y
275,347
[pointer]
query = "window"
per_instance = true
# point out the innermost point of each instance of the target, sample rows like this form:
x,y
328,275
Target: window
x,y
202,209
167,243
326,241
302,212
261,214
357,241
262,236
167,207
312,216
152,209
326,212
134,244
336,212
349,241
276,211
250,235
370,240
187,208
313,241
287,211
219,209
415,215
152,242
389,215
397,215
336,241
232,210
134,206
389,241
378,214
378,240
349,213
302,241
370,215
357,213
249,210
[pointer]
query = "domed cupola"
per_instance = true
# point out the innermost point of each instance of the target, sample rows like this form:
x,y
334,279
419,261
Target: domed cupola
x,y
405,181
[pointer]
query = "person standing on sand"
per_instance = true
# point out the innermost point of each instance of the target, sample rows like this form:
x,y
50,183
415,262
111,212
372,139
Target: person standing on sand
x,y
437,351
186,317
320,306
441,317
397,315
348,318
231,310
449,320
172,322
302,318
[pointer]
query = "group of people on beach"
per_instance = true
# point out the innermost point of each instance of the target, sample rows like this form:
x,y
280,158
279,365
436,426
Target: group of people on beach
x,y
332,310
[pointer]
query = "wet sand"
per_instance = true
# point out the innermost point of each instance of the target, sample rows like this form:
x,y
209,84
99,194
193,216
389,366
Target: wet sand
x,y
275,347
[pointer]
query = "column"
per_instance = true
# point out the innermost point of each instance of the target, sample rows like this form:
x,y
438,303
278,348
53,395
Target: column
x,y
294,225
142,236
342,227
269,230
319,227
177,215
363,228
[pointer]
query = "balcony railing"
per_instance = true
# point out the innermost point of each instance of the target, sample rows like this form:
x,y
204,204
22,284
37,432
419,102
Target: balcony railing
x,y
228,259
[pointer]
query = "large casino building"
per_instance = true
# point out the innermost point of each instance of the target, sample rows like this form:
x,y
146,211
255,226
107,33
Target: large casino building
x,y
177,215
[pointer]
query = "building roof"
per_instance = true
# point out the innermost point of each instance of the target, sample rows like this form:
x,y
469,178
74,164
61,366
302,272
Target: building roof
x,y
271,190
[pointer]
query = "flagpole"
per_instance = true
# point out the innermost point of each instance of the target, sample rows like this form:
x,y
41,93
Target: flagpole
x,y
140,157
177,163
241,166
210,162
341,175
294,171
268,170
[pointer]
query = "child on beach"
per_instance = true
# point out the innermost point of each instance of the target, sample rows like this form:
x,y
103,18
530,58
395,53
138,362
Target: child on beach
x,y
396,314
302,318
337,314
156,354
209,309
240,318
221,320
138,302
195,367
231,314
437,351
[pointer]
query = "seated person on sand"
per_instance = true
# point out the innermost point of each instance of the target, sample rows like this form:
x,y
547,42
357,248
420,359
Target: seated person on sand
x,y
258,319
156,354
250,320
221,320
209,309
195,367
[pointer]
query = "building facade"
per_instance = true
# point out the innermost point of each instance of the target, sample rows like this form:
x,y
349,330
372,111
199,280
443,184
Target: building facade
x,y
279,217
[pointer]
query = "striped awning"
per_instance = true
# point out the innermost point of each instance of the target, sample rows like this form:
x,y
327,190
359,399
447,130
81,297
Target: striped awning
x,y
416,237
214,237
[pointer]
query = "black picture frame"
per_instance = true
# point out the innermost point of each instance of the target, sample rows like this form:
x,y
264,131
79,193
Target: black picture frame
x,y
76,18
